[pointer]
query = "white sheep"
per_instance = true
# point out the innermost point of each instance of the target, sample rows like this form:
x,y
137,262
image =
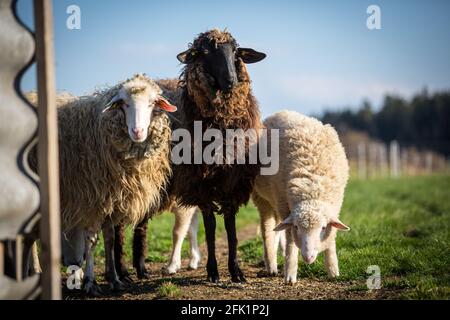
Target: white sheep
x,y
114,164
304,198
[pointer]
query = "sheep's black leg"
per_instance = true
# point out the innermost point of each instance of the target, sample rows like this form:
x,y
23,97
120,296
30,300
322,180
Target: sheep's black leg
x,y
209,221
233,263
119,255
110,266
140,248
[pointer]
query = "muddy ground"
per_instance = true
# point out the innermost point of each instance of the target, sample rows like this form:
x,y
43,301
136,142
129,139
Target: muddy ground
x,y
192,284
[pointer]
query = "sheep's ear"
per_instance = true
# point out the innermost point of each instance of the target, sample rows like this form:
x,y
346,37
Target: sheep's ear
x,y
165,105
339,225
285,224
249,55
112,103
187,56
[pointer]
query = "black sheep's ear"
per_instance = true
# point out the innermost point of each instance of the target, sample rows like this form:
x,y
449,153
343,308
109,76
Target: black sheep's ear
x,y
187,56
249,55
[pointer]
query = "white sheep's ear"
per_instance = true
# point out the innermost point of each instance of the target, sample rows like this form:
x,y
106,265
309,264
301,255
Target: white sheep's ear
x,y
339,225
112,103
187,56
165,105
285,224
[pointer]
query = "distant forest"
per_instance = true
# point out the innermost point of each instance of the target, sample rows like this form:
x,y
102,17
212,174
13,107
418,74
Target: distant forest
x,y
422,122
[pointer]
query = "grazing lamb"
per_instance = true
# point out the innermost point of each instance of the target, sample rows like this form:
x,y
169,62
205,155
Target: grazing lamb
x,y
114,164
304,198
214,89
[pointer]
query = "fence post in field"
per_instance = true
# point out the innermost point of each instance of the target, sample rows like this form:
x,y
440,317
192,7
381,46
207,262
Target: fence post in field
x,y
394,156
404,159
429,162
372,160
48,153
382,156
362,169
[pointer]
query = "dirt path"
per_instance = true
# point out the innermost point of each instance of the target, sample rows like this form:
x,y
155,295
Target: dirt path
x,y
192,283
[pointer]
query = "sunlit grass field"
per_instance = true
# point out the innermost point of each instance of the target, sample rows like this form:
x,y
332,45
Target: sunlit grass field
x,y
401,225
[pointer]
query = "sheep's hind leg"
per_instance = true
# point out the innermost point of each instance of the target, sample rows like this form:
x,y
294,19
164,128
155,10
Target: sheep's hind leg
x,y
140,249
179,231
209,221
193,231
90,286
110,266
270,240
233,264
119,255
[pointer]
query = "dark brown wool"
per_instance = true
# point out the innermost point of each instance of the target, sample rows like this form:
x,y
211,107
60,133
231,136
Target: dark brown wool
x,y
224,187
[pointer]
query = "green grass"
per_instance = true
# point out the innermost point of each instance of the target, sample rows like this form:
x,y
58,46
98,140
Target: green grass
x,y
168,290
400,225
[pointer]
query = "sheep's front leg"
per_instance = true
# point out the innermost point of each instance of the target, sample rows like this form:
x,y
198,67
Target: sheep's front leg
x,y
331,261
193,231
233,264
110,266
269,236
291,259
179,231
209,221
90,285
140,249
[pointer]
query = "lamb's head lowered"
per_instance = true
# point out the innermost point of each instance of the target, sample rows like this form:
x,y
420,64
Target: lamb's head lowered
x,y
218,53
138,98
313,225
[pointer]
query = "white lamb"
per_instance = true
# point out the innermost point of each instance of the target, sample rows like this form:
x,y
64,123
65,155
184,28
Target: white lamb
x,y
304,198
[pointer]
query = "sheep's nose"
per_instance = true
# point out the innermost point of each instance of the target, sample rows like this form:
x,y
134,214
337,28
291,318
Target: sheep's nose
x,y
138,131
229,83
309,259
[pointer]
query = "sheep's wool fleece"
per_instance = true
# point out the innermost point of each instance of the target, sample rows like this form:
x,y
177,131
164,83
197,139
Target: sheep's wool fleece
x,y
103,173
313,169
218,188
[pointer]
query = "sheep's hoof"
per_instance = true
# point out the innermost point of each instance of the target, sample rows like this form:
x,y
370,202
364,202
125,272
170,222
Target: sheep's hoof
x,y
193,264
239,278
126,278
290,280
237,275
117,286
91,288
142,274
171,269
213,277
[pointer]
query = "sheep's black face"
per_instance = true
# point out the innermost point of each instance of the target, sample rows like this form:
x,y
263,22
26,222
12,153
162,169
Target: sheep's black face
x,y
219,61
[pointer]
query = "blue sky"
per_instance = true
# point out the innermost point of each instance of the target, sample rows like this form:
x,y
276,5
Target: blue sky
x,y
320,53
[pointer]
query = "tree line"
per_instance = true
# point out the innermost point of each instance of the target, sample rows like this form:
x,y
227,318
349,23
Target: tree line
x,y
422,121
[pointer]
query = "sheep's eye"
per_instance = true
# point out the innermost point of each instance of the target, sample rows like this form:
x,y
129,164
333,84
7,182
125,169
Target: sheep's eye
x,y
296,227
324,228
